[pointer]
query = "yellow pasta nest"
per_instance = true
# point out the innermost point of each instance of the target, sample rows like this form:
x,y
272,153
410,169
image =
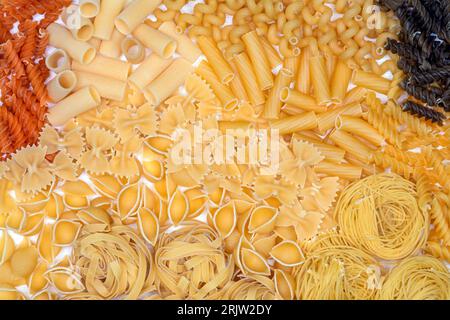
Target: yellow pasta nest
x,y
417,278
112,263
190,263
337,271
380,214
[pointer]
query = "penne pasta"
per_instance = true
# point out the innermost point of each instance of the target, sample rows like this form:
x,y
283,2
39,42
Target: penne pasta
x,y
223,92
300,100
220,66
292,124
341,170
303,81
273,102
356,94
360,128
339,81
249,79
327,119
351,145
259,60
272,55
371,81
319,79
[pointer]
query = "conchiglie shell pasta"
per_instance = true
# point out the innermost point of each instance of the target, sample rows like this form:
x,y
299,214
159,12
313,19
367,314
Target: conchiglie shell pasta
x,y
165,188
159,143
16,220
7,276
94,215
262,219
178,207
148,225
287,253
44,244
8,292
284,284
7,246
54,207
264,243
33,224
225,219
37,280
106,185
129,200
254,263
64,280
65,232
152,165
217,196
197,202
36,204
23,261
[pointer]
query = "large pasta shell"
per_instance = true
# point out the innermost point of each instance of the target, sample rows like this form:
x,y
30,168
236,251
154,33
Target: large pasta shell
x,y
3,218
106,185
148,225
23,261
254,263
46,249
33,224
78,188
217,196
232,241
178,207
284,284
7,246
263,243
8,292
44,296
159,143
286,233
37,280
225,219
7,276
152,165
165,188
288,253
16,220
65,232
64,280
54,207
197,202
129,200
262,219
36,204
94,215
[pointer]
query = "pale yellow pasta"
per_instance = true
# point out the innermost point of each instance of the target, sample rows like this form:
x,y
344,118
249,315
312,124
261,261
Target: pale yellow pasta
x,y
371,81
95,43
259,60
340,81
319,79
361,128
300,100
292,124
245,70
148,70
223,92
327,119
112,48
133,50
352,145
107,67
185,47
107,87
84,31
355,95
168,81
80,51
159,42
89,8
273,102
75,104
104,21
303,81
271,53
220,66
134,14
341,170
57,61
236,85
61,85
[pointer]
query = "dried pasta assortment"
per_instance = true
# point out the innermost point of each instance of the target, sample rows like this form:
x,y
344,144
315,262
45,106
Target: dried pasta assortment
x,y
228,149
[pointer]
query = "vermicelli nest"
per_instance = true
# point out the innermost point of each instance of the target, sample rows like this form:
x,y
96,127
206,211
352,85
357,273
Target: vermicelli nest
x,y
334,270
191,263
113,263
380,215
417,278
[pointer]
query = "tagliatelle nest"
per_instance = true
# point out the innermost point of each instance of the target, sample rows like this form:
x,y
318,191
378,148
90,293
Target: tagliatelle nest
x,y
191,263
114,264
